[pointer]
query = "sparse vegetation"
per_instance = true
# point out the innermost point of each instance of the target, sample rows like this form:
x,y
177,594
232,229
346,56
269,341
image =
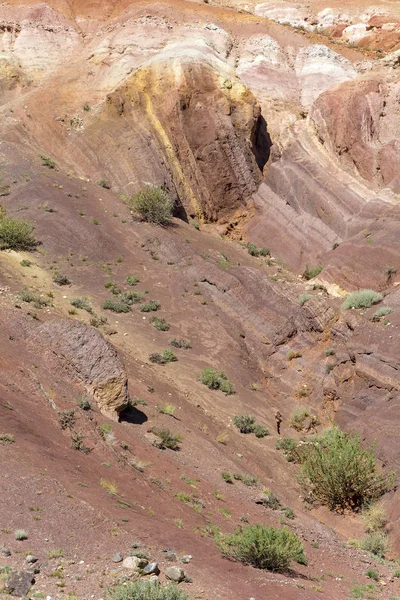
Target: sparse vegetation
x,y
372,574
182,343
227,477
61,279
164,358
245,423
166,409
116,306
109,486
77,443
66,418
381,312
20,535
47,162
153,204
299,416
362,299
216,380
25,263
376,543
132,280
30,298
263,547
82,303
160,324
310,273
374,517
292,355
303,299
338,472
260,431
16,234
248,480
104,184
167,439
253,250
289,446
6,438
146,590
150,306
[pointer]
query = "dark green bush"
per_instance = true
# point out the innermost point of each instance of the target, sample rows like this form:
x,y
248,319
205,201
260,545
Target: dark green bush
x,y
16,234
116,306
153,204
263,547
338,472
260,431
47,162
253,250
82,303
216,380
160,324
167,439
150,306
180,343
310,273
245,423
132,280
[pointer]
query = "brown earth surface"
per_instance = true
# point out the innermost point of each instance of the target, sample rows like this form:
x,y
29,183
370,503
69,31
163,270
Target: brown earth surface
x,y
260,132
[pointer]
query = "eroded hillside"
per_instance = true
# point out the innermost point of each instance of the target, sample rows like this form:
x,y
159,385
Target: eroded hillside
x,y
267,127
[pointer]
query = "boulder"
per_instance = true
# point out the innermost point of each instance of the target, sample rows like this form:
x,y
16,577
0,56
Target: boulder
x,y
92,359
19,583
134,563
175,574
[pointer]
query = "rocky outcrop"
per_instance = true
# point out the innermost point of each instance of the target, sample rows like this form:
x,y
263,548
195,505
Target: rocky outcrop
x,y
93,360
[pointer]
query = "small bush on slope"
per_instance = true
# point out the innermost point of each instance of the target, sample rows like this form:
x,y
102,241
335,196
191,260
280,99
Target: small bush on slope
x,y
338,472
263,547
216,380
145,590
153,204
362,299
15,234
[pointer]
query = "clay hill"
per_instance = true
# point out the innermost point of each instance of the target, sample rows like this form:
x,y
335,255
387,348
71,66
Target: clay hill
x,y
142,365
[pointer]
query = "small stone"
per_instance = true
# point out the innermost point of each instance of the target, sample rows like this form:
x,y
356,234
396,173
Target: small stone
x,y
175,574
19,583
186,559
151,568
31,559
170,555
134,563
153,580
5,552
117,558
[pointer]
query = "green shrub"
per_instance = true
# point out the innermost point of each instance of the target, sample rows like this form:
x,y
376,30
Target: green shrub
x,y
292,355
381,312
16,234
216,380
338,472
288,512
310,273
270,500
260,431
61,279
153,204
167,439
227,477
47,162
372,574
248,480
164,358
303,299
25,263
6,438
82,303
132,280
254,251
180,343
116,306
146,590
374,517
20,535
245,423
166,409
397,574
132,297
289,446
37,301
84,403
104,184
150,306
299,416
376,543
362,299
160,324
263,547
